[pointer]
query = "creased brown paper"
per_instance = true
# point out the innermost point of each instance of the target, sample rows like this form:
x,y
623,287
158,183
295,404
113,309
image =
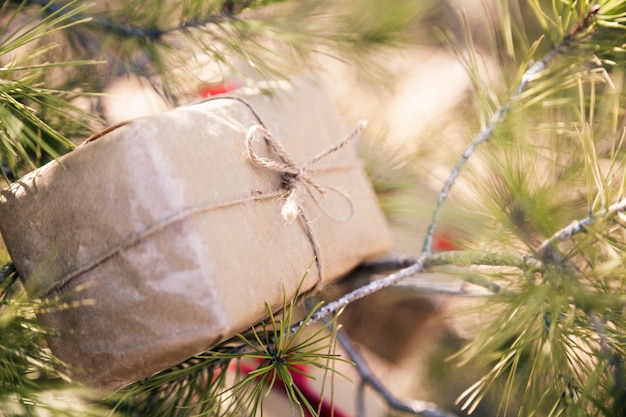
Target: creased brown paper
x,y
163,237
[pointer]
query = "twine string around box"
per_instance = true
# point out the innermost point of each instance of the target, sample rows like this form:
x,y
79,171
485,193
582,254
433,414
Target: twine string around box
x,y
292,174
283,163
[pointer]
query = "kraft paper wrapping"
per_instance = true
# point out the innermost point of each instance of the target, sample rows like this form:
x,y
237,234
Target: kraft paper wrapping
x,y
156,241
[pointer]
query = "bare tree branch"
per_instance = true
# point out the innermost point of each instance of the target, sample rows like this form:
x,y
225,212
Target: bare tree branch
x,y
415,407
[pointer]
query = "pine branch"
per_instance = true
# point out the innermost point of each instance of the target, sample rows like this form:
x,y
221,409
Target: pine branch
x,y
159,40
209,366
335,306
524,262
584,29
31,381
545,250
37,121
204,385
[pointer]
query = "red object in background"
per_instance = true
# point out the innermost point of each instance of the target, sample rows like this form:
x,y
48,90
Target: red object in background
x,y
444,241
217,89
308,391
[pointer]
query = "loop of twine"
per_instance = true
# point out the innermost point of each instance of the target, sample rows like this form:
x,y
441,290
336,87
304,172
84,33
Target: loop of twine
x,y
292,174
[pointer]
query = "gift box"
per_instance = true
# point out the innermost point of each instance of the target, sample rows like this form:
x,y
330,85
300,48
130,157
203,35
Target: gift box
x,y
167,235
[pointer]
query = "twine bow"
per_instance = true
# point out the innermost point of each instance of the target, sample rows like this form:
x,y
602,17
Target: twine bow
x,y
292,174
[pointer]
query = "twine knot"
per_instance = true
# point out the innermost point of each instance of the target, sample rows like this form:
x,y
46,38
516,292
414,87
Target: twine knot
x,y
293,174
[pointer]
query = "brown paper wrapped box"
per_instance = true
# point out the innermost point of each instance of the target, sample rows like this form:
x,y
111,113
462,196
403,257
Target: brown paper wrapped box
x,y
163,238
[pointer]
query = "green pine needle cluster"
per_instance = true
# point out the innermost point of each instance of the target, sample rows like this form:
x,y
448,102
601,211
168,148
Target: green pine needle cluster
x,y
32,382
36,121
235,378
553,342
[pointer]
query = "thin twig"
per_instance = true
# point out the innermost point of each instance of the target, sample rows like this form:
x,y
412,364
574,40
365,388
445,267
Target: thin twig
x,y
418,408
417,266
469,257
387,264
497,118
372,287
577,226
457,257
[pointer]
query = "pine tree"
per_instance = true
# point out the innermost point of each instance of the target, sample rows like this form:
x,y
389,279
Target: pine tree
x,y
542,182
